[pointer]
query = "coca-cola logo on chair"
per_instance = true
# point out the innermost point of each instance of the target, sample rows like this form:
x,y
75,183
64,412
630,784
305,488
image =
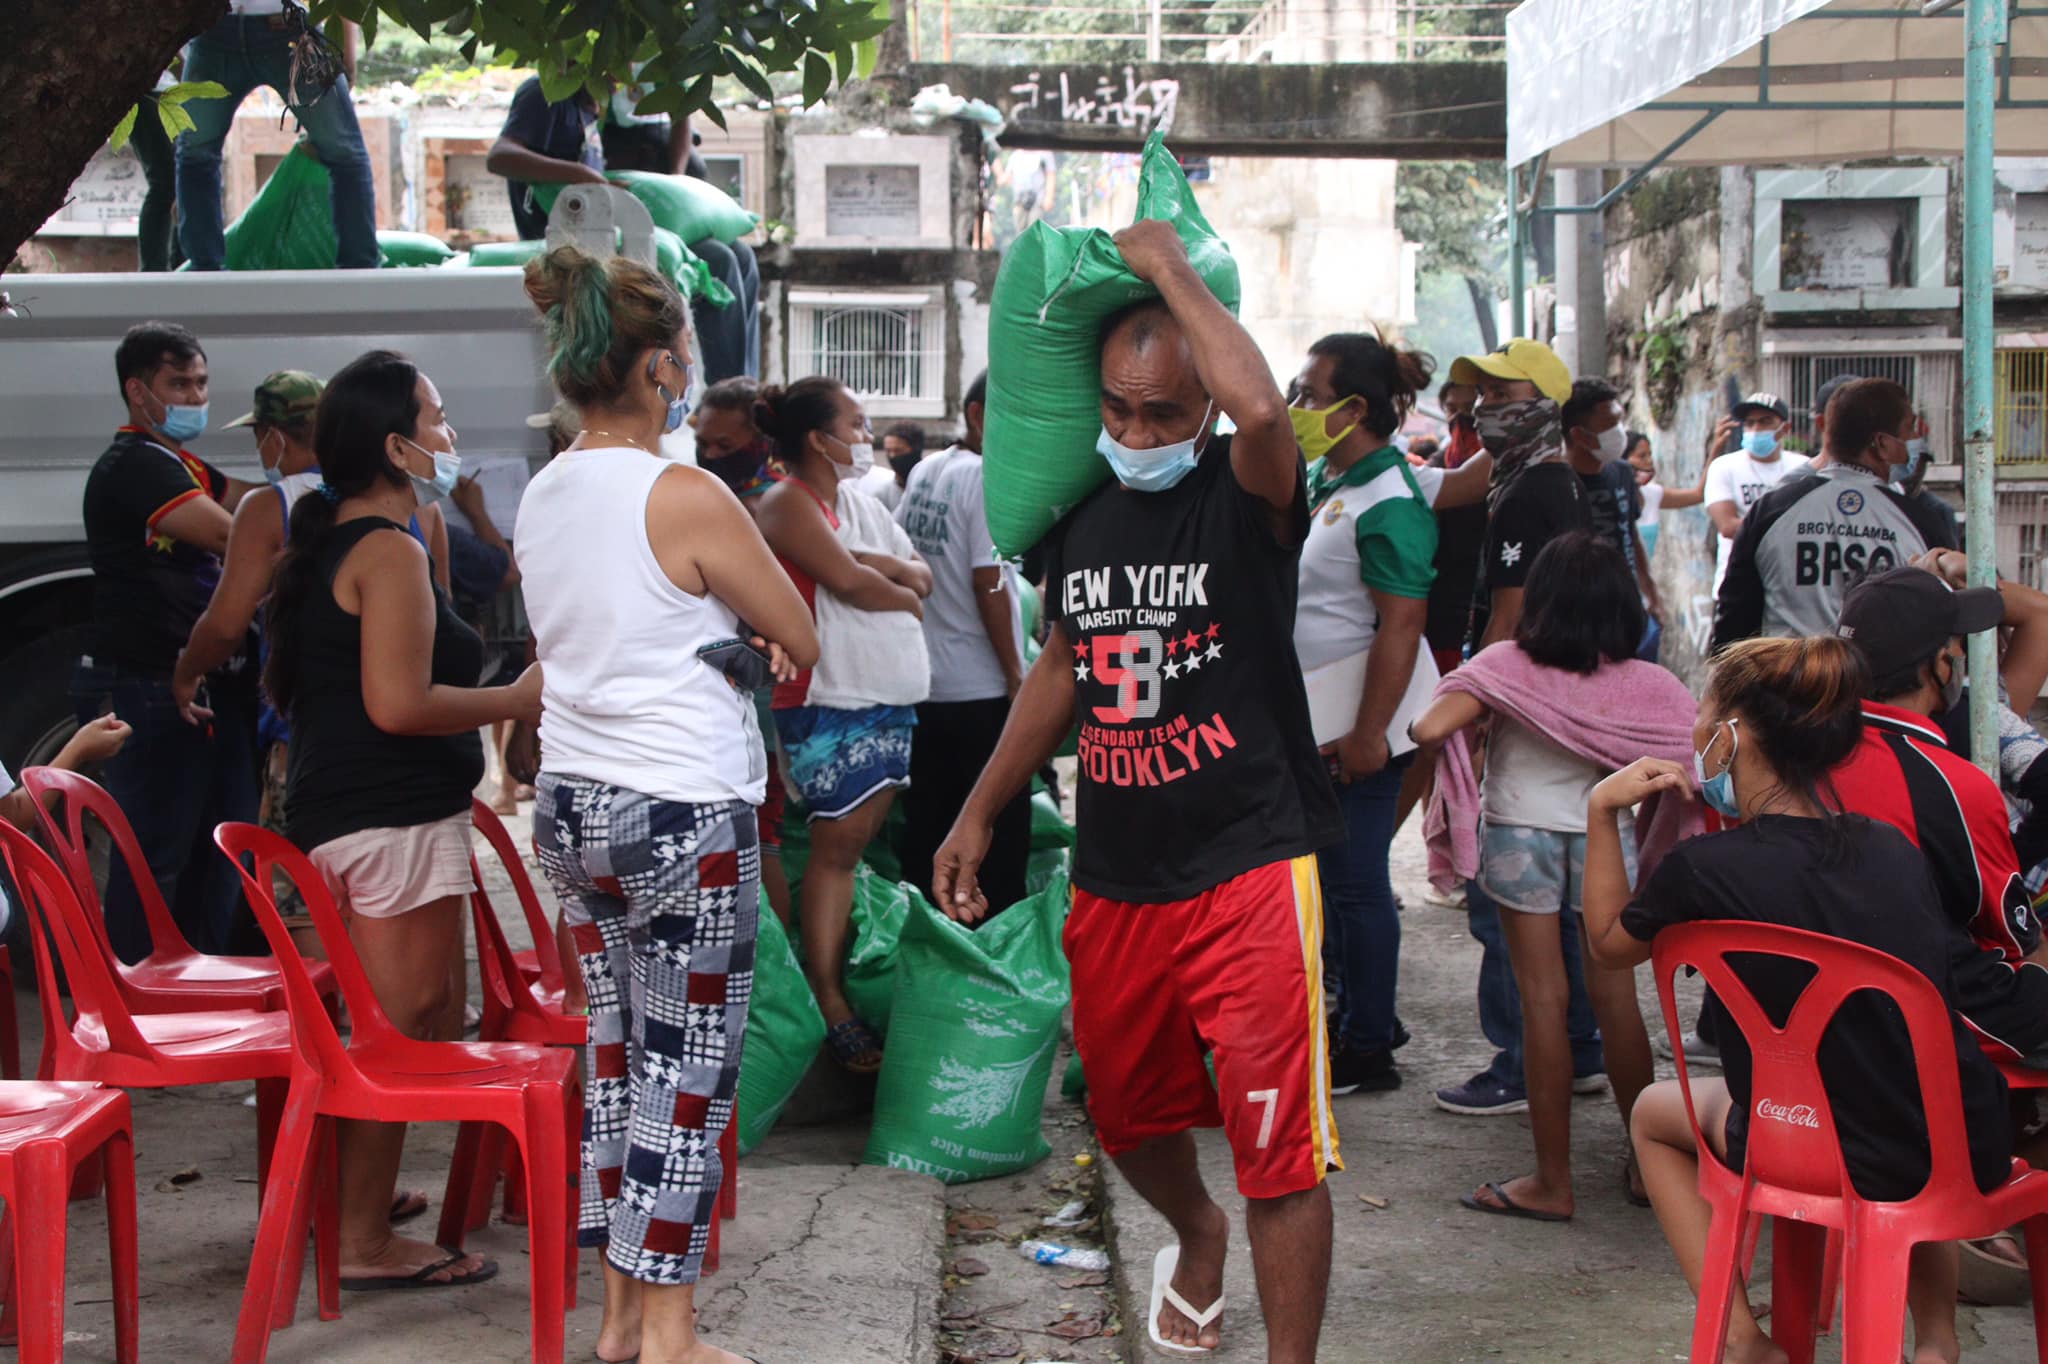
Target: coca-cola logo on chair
x,y
1797,1115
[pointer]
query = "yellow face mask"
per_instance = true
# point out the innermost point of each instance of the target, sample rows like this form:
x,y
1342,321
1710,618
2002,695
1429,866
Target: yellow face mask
x,y
1311,429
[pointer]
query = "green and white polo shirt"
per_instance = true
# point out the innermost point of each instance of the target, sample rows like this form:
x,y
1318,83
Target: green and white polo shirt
x,y
1370,529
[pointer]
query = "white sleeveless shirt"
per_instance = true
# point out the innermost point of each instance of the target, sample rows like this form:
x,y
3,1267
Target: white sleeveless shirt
x,y
625,699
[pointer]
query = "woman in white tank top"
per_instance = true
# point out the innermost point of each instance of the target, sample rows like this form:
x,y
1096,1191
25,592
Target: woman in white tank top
x,y
651,765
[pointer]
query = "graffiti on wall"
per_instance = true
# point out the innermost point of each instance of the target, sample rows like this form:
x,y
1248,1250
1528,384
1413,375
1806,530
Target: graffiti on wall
x,y
1140,105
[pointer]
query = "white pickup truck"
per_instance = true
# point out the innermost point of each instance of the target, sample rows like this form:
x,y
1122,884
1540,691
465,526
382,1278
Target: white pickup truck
x,y
473,331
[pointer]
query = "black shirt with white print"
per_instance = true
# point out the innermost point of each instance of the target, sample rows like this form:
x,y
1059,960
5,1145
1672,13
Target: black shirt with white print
x,y
1615,503
1545,501
1864,882
1197,760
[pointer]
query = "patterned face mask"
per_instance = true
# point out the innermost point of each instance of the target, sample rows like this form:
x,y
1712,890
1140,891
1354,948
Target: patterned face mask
x,y
1519,434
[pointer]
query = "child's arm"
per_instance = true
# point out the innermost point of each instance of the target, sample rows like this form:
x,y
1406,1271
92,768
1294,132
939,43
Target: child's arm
x,y
94,743
1606,893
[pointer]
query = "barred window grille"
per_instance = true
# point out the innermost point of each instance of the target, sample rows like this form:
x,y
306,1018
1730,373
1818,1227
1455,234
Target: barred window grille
x,y
2020,416
1797,370
885,347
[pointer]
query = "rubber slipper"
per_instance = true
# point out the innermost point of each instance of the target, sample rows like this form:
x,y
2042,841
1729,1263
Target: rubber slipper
x,y
424,1278
1163,1266
851,1040
1989,1280
1507,1207
408,1205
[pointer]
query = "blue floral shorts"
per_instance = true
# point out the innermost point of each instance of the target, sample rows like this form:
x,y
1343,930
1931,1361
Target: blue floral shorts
x,y
1539,871
837,759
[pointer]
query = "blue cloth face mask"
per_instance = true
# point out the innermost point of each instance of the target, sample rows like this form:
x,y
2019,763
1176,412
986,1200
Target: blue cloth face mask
x,y
1760,444
1915,465
447,468
1156,470
1718,791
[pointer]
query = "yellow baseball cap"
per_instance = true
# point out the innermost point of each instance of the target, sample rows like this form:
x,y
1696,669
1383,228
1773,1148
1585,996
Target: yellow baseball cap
x,y
1520,359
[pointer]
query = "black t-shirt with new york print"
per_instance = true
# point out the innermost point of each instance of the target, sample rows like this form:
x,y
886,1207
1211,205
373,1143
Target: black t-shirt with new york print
x,y
1197,761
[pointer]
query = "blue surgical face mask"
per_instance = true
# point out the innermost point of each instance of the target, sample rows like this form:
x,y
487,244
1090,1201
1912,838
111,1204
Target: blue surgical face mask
x,y
1915,465
1718,791
182,421
272,474
678,402
1156,470
1760,444
447,468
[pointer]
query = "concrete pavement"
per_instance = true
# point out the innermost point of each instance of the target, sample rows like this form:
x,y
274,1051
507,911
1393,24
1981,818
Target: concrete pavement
x,y
1425,1281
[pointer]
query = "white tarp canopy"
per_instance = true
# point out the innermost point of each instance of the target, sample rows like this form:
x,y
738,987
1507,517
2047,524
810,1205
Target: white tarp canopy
x,y
1616,82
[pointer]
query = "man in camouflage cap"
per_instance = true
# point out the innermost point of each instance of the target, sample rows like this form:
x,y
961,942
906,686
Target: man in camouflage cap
x,y
282,420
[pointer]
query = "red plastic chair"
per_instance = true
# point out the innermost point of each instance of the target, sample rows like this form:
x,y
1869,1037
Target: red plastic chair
x,y
174,977
106,1042
542,963
10,1025
1793,1170
48,1132
516,1009
382,1075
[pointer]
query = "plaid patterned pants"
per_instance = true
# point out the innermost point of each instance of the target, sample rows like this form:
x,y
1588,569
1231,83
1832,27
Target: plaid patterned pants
x,y
661,899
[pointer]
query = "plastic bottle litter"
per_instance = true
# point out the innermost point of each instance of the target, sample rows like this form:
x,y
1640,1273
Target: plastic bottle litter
x,y
1070,1215
1070,1257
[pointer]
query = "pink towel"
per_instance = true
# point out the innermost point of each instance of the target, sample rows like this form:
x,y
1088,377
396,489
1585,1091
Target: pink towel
x,y
1610,718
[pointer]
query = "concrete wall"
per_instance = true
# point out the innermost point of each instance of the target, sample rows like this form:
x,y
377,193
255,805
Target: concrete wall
x,y
1316,248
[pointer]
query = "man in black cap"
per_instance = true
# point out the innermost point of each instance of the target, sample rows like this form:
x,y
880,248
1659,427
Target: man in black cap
x,y
1737,481
1909,626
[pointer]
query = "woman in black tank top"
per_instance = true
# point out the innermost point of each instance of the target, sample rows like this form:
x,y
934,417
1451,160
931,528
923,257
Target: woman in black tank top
x,y
377,676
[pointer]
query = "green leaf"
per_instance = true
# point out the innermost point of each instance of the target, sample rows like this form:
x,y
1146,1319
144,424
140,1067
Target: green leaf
x,y
185,90
865,54
817,78
749,75
175,119
124,129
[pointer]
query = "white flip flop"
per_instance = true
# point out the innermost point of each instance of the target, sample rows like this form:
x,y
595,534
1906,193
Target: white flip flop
x,y
1163,1266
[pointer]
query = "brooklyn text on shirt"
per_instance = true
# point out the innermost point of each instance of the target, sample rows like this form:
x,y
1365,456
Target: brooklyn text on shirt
x,y
1153,757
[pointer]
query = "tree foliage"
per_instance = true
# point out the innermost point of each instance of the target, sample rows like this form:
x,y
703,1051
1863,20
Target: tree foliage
x,y
676,49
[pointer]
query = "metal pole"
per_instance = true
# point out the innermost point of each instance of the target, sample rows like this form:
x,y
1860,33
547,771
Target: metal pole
x,y
1986,27
915,24
1154,47
946,29
1518,310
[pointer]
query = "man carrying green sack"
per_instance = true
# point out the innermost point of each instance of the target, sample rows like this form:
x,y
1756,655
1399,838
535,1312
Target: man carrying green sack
x,y
1056,288
543,146
1202,800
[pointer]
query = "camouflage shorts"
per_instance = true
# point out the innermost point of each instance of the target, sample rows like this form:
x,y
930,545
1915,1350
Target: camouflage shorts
x,y
1539,871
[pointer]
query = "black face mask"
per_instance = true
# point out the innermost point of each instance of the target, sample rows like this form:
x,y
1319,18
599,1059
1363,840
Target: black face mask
x,y
745,469
903,464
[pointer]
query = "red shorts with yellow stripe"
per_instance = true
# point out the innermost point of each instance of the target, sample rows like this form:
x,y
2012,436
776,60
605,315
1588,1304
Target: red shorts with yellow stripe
x,y
1236,971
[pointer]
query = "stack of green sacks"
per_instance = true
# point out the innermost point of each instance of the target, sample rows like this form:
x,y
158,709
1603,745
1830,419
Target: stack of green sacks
x,y
976,1027
1056,288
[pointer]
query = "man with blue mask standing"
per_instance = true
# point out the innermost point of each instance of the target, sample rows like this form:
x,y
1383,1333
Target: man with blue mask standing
x,y
1196,917
1737,480
156,523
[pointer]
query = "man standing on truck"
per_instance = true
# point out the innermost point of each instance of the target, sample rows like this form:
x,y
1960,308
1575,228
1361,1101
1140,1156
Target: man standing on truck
x,y
156,524
562,144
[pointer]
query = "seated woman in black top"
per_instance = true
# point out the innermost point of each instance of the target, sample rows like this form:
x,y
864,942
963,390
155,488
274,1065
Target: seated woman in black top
x,y
1778,714
377,675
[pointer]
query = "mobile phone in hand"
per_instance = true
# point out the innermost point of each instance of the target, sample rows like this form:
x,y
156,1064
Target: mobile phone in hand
x,y
743,665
